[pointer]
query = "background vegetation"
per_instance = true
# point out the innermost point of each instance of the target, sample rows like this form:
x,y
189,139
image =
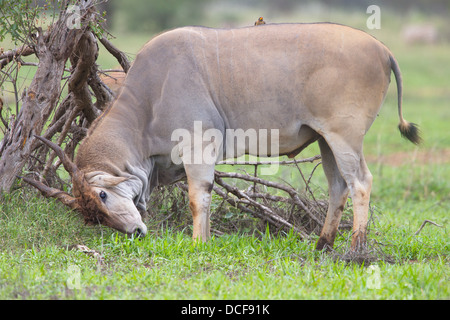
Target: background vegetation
x,y
411,184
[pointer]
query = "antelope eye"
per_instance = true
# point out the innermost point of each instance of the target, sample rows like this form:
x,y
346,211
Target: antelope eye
x,y
102,195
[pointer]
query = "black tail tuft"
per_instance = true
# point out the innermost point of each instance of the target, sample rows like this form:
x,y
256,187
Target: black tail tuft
x,y
410,131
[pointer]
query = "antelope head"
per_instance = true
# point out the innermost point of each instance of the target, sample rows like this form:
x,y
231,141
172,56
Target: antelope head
x,y
96,196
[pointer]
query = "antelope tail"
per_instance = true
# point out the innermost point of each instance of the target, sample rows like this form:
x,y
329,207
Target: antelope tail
x,y
408,130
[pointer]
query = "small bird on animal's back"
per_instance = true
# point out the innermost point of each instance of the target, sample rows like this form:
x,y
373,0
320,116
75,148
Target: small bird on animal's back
x,y
259,21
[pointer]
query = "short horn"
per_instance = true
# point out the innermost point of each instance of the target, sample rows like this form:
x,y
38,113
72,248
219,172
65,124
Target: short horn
x,y
49,192
70,167
78,180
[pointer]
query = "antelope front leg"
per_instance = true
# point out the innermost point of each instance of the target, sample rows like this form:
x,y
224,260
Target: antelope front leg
x,y
199,203
200,180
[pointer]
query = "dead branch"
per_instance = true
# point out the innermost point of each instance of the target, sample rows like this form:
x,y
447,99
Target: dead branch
x,y
253,163
4,122
83,58
10,55
262,211
119,55
424,223
60,117
103,94
291,191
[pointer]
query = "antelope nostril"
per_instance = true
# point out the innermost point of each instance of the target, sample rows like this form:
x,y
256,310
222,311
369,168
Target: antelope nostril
x,y
140,232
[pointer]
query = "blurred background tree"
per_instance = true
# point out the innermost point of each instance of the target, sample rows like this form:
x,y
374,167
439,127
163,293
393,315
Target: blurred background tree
x,y
154,15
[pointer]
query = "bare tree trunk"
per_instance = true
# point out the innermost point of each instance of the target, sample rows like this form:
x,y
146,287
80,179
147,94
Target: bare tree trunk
x,y
38,101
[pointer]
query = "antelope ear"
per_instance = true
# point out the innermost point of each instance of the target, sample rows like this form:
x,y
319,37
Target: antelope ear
x,y
102,179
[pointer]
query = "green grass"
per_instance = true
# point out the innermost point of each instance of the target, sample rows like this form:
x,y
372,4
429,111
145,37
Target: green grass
x,y
36,264
35,233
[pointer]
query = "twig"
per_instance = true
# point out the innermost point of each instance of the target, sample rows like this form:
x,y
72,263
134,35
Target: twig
x,y
106,71
271,197
306,182
313,170
253,163
13,81
424,223
268,213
